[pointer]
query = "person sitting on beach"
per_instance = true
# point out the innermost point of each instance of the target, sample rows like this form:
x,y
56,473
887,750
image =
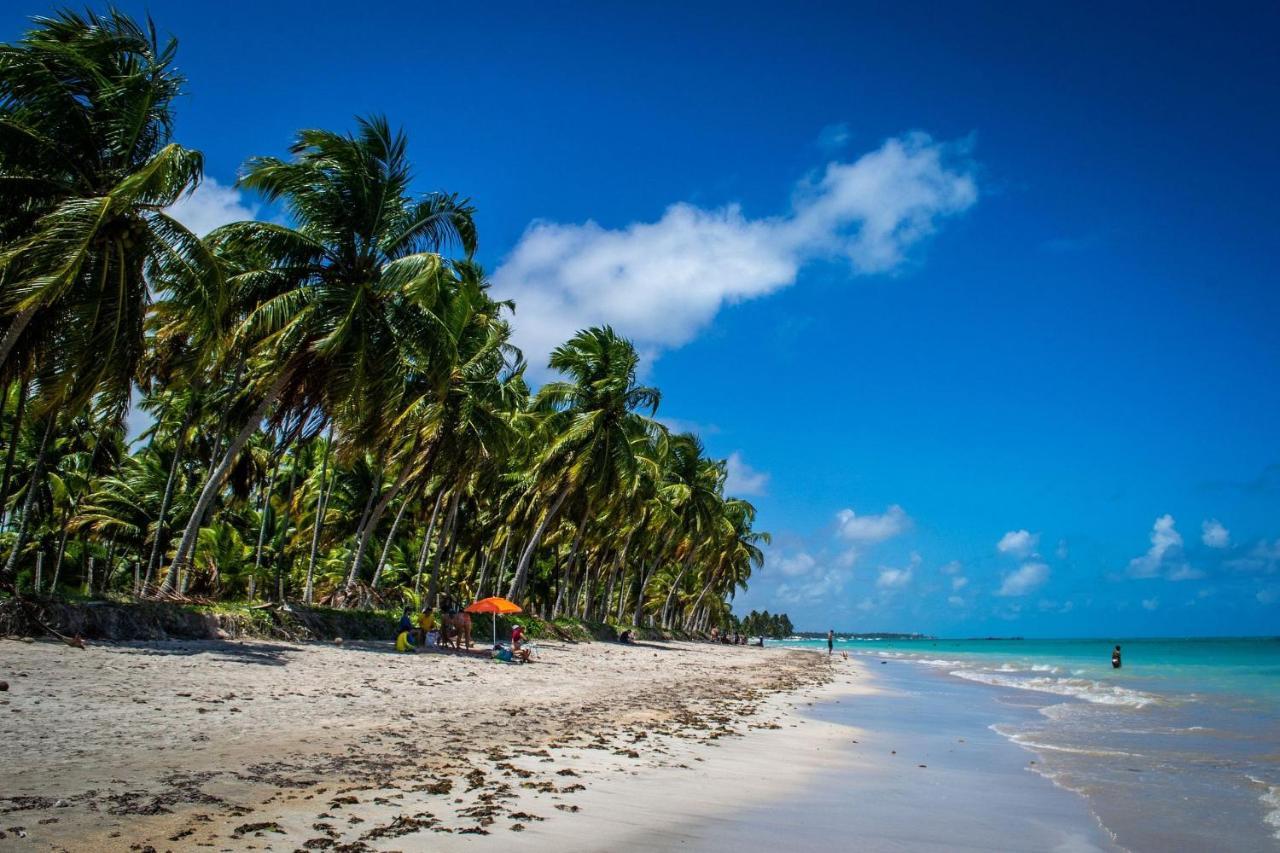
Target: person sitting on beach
x,y
517,637
1115,658
506,655
406,624
626,637
715,635
404,641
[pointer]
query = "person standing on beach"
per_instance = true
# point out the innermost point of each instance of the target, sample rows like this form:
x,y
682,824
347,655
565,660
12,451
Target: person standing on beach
x,y
1115,658
831,641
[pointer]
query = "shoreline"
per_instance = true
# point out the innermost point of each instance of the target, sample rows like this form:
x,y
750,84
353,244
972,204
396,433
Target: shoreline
x,y
598,747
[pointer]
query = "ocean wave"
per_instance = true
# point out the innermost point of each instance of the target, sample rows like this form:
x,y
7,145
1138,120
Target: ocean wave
x,y
1077,688
938,663
1024,741
1271,800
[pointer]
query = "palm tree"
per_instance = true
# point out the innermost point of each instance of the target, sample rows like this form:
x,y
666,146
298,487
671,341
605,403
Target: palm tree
x,y
337,296
594,420
88,169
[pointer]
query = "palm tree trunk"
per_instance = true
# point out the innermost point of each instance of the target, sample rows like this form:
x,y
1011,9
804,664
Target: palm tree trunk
x,y
645,577
322,505
370,523
566,582
263,504
426,542
484,573
24,524
693,613
17,325
14,435
386,548
619,568
353,572
213,484
433,583
153,561
284,531
666,607
57,562
502,563
526,558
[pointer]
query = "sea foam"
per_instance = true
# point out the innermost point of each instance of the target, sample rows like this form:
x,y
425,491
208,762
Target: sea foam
x,y
1078,688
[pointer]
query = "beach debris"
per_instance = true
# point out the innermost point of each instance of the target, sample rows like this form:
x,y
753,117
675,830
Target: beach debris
x,y
337,641
256,828
4,685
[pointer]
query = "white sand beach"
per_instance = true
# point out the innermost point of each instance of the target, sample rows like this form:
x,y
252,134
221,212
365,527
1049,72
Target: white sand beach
x,y
658,746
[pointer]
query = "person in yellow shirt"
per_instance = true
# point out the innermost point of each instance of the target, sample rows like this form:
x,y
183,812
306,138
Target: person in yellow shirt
x,y
426,624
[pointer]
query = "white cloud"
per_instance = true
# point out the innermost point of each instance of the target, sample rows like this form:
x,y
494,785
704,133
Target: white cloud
x,y
1018,543
954,570
212,204
955,601
845,559
1164,555
1151,603
893,578
1263,557
1062,551
872,528
660,283
1214,534
1026,578
1185,572
793,565
823,587
743,480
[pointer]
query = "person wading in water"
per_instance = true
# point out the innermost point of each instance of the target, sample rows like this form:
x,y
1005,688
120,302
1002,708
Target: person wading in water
x,y
1115,658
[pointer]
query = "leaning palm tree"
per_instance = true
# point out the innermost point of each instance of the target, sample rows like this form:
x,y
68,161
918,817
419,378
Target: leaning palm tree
x,y
88,169
593,431
330,303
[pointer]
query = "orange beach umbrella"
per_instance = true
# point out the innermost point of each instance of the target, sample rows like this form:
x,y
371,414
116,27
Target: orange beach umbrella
x,y
494,606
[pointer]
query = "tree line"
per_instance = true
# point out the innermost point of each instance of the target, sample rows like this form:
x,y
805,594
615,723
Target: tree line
x,y
776,625
336,412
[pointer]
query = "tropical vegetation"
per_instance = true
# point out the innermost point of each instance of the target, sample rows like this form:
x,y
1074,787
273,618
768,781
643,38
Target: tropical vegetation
x,y
335,413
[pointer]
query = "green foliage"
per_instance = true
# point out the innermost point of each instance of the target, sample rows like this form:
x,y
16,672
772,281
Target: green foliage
x,y
775,625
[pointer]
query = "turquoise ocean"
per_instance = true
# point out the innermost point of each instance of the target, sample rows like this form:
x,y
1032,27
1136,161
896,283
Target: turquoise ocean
x,y
1179,749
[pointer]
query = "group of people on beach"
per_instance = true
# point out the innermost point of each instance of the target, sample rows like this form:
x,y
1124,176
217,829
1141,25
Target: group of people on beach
x,y
453,629
735,639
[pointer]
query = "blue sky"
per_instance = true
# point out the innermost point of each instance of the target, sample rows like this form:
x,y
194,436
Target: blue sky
x,y
935,279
